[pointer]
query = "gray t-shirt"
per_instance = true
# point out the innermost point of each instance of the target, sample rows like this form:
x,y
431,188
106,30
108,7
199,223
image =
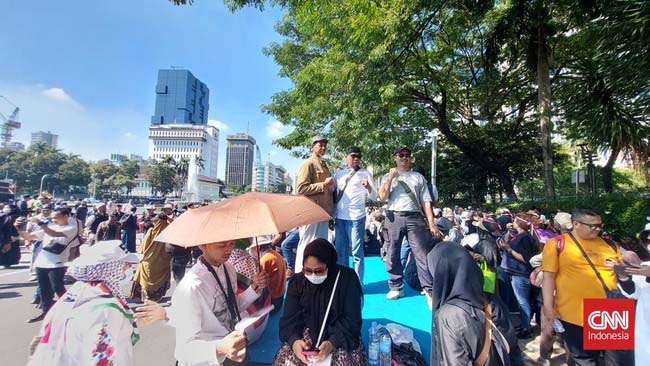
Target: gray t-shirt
x,y
399,199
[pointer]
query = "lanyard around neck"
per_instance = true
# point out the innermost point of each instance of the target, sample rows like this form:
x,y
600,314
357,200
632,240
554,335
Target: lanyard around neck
x,y
231,300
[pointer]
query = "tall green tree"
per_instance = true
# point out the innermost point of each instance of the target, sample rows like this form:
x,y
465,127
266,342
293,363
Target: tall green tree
x,y
75,172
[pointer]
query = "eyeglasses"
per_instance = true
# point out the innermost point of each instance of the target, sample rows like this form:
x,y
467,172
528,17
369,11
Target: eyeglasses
x,y
404,155
592,227
356,156
318,271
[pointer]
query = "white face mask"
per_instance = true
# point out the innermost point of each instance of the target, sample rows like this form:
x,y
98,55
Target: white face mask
x,y
6,210
316,279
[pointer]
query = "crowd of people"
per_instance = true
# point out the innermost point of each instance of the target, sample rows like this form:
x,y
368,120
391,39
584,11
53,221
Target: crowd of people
x,y
474,268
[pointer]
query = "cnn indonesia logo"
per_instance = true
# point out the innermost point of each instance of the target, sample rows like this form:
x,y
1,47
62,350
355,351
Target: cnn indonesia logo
x,y
608,324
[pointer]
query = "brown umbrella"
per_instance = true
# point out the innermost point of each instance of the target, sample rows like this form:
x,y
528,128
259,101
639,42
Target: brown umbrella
x,y
244,216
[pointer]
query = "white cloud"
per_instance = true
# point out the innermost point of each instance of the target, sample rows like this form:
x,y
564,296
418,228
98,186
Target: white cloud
x,y
273,152
93,133
275,129
59,95
218,124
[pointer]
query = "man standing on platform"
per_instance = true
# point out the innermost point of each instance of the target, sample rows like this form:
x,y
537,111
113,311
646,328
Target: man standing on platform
x,y
315,182
409,213
354,185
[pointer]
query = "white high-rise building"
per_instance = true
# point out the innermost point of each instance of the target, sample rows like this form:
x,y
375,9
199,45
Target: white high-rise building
x,y
190,141
272,178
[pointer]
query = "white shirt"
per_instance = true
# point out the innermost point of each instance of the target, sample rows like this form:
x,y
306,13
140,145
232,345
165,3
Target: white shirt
x,y
352,205
47,259
399,200
197,304
641,318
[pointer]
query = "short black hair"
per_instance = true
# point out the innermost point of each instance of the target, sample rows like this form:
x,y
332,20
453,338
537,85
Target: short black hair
x,y
63,211
581,212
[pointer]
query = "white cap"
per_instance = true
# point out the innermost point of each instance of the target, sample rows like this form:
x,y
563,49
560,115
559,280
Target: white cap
x,y
101,204
103,252
168,205
263,239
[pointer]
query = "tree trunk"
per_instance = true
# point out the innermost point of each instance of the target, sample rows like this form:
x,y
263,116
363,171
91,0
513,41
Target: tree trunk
x,y
608,169
474,152
544,109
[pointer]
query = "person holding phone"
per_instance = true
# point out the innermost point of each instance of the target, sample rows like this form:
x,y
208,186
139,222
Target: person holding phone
x,y
633,280
56,234
305,307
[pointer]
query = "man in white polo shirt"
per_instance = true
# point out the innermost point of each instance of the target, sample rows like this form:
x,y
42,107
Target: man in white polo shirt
x,y
56,234
354,185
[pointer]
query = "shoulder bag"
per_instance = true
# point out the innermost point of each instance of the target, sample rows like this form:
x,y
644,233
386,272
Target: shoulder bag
x,y
339,194
610,294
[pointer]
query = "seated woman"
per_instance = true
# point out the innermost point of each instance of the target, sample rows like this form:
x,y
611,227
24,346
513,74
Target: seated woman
x,y
459,303
91,324
306,302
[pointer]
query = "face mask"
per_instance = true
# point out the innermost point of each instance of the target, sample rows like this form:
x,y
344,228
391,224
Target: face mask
x,y
6,210
316,279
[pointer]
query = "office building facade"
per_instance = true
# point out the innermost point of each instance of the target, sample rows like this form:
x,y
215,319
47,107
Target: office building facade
x,y
181,98
43,137
239,159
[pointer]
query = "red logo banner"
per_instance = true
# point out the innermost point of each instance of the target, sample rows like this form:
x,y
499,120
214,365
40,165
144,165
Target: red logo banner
x,y
608,324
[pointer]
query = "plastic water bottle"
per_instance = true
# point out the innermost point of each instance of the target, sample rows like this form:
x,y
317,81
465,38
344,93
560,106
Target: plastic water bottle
x,y
373,346
557,326
385,355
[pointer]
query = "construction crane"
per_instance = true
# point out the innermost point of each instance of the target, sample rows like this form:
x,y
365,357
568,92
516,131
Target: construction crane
x,y
8,124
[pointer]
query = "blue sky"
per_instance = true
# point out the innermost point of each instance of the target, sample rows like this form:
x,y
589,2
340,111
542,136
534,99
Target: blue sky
x,y
86,70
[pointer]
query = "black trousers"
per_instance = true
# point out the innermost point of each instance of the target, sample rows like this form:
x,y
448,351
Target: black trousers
x,y
179,263
415,228
50,281
581,357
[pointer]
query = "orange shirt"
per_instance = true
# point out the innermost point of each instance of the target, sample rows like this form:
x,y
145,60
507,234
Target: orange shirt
x,y
575,279
273,264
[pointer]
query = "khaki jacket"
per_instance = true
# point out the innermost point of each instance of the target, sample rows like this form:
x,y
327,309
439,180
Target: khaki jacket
x,y
311,175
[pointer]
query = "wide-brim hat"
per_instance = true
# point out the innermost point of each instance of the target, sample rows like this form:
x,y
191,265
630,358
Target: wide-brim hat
x,y
104,252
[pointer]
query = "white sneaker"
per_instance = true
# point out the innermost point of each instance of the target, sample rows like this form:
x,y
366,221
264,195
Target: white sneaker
x,y
395,294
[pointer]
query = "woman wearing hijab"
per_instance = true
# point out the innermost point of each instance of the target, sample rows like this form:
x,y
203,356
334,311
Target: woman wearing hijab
x,y
306,302
151,280
459,303
9,244
91,324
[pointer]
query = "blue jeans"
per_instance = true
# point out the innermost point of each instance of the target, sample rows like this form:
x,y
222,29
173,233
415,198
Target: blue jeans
x,y
404,252
128,239
289,246
349,235
521,287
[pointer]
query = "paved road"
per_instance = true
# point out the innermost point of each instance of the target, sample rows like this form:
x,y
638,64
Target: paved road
x,y
156,346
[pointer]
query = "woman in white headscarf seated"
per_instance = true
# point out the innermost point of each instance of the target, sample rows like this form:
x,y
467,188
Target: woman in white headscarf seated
x,y
91,324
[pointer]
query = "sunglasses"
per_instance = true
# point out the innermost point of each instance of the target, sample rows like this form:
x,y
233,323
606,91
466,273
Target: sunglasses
x,y
592,227
317,271
404,155
356,156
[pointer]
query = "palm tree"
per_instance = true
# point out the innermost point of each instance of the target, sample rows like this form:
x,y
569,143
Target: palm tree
x,y
181,167
199,161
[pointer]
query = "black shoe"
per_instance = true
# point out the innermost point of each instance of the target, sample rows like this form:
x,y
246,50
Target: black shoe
x,y
37,318
36,300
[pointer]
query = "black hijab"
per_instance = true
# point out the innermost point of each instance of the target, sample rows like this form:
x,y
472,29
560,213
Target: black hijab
x,y
457,279
324,252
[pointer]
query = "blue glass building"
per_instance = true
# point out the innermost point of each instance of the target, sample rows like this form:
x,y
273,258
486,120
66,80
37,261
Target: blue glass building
x,y
180,98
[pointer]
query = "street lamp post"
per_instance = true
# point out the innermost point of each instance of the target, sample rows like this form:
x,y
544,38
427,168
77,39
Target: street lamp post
x,y
43,179
434,154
